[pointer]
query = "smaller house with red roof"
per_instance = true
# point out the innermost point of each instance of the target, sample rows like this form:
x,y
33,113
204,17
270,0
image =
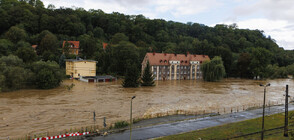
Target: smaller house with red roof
x,y
71,47
165,66
35,47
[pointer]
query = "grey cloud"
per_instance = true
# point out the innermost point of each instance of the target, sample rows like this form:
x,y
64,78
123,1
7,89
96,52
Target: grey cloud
x,y
130,3
273,9
290,27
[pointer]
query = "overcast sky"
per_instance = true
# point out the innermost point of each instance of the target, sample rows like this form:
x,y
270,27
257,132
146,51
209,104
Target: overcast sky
x,y
274,17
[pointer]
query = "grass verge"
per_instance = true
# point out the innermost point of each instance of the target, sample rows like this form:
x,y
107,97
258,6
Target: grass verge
x,y
236,129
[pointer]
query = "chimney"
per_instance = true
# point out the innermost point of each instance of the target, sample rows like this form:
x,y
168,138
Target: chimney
x,y
164,54
203,56
175,54
153,53
194,55
188,53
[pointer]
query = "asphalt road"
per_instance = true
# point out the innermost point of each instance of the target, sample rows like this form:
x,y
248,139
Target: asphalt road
x,y
190,125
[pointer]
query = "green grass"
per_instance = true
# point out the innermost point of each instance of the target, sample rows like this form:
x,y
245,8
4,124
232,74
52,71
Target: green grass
x,y
235,129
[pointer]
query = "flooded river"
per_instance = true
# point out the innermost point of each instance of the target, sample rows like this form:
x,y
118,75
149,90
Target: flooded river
x,y
32,111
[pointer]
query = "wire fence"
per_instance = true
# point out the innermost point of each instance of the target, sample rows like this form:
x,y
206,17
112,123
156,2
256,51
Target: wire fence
x,y
216,111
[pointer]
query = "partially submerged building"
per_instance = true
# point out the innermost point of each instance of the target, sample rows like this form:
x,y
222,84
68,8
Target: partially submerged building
x,y
105,78
165,66
79,67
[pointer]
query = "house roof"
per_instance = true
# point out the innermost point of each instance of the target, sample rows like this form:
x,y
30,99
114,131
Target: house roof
x,y
104,45
164,58
34,46
80,60
74,44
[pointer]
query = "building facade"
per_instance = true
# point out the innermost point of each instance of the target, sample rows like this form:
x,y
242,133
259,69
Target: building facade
x,y
71,47
166,66
76,68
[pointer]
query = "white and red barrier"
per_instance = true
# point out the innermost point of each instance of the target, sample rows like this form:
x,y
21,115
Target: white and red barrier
x,y
62,136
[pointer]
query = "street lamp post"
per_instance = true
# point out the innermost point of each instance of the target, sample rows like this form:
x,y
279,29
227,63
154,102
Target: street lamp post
x,y
262,131
131,120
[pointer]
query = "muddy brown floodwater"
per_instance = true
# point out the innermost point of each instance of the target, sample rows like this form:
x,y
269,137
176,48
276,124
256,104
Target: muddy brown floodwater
x,y
33,111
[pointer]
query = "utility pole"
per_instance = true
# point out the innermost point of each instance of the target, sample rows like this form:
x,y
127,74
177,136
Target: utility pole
x,y
286,113
131,120
262,131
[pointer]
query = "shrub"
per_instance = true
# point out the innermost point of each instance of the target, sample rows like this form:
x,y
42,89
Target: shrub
x,y
120,124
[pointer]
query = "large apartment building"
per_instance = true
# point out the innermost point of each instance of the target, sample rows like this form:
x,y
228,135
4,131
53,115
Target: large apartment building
x,y
166,66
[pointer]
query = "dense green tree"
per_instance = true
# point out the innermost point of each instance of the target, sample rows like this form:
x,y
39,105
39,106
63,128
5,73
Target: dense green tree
x,y
132,76
27,54
274,71
147,78
5,47
122,54
15,34
48,43
13,72
48,74
88,46
62,61
290,70
98,32
24,20
243,65
118,37
260,59
213,70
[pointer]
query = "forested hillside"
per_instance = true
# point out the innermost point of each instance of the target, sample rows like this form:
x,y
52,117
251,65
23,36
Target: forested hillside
x,y
246,53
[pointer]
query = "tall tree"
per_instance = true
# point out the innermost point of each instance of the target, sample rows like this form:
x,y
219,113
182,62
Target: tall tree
x,y
48,74
132,76
15,34
260,59
48,43
147,79
213,70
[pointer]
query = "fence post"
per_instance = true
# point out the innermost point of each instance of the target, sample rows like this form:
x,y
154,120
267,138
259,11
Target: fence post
x,y
286,113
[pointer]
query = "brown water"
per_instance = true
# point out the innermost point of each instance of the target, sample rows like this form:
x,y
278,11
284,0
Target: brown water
x,y
32,111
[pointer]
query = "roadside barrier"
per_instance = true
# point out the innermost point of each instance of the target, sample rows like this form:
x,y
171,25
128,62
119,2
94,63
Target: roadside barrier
x,y
62,136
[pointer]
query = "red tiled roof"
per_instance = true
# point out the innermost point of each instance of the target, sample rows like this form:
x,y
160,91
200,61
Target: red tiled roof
x,y
75,44
164,58
34,46
104,45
